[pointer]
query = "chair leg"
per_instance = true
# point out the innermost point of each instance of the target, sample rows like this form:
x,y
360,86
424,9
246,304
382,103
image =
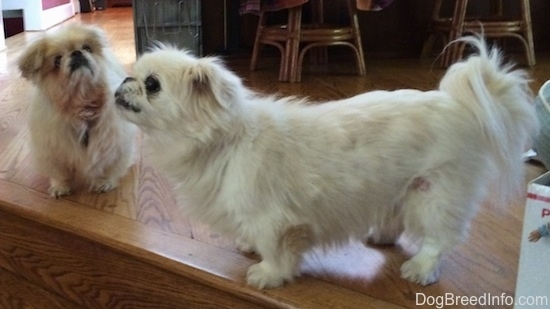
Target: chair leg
x,y
428,46
452,52
257,42
354,20
290,71
528,32
318,55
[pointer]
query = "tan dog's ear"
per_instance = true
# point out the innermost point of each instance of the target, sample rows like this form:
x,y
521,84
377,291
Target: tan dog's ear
x,y
32,59
96,36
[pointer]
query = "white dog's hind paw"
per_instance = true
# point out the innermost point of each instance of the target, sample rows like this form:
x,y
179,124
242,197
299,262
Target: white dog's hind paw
x,y
262,276
420,271
57,191
105,186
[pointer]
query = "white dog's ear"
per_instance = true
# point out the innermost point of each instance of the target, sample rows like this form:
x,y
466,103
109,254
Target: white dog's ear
x,y
211,79
32,59
213,90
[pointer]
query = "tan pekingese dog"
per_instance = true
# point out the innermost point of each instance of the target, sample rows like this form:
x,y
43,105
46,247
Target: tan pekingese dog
x,y
282,176
77,135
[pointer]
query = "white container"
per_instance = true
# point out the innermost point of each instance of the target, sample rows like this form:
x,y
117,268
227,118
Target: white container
x,y
542,140
533,283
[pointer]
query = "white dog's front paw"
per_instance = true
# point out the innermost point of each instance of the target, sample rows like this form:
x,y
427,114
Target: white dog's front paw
x,y
245,246
105,186
58,190
421,271
262,275
381,240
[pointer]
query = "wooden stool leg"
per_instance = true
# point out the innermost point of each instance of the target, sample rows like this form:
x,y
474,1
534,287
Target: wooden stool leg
x,y
528,32
257,42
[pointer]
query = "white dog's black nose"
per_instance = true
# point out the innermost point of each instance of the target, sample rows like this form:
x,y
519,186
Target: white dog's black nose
x,y
128,79
125,104
120,99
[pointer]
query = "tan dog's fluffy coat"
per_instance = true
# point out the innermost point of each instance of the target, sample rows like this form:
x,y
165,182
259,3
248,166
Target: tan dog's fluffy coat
x,y
77,136
282,176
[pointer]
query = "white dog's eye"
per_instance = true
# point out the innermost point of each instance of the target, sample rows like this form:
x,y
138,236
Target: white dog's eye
x,y
152,84
87,48
57,61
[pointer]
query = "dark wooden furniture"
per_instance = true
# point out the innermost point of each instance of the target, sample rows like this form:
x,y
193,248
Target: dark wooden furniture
x,y
111,3
494,26
294,39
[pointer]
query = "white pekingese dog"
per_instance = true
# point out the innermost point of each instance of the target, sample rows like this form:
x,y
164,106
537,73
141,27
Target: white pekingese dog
x,y
282,176
77,136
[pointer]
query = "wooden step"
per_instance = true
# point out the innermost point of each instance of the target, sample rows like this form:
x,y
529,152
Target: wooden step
x,y
91,258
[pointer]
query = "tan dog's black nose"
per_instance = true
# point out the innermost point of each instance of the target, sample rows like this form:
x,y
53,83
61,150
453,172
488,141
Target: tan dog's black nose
x,y
78,60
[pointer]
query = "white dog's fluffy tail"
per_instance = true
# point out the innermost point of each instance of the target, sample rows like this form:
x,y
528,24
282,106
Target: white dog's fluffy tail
x,y
502,102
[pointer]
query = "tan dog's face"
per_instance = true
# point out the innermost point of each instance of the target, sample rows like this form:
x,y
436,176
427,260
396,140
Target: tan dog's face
x,y
173,90
68,68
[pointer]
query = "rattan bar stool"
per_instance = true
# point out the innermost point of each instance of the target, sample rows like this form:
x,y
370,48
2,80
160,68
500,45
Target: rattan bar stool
x,y
494,26
294,39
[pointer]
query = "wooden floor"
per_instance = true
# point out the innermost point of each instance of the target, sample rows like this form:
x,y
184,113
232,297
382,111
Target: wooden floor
x,y
131,248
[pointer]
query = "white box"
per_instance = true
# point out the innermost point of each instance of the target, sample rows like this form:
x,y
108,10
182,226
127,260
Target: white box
x,y
533,283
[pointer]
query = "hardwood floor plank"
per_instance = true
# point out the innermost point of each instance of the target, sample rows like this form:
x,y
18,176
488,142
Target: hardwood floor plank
x,y
157,204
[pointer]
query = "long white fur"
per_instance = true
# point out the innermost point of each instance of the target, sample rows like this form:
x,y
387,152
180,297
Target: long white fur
x,y
282,176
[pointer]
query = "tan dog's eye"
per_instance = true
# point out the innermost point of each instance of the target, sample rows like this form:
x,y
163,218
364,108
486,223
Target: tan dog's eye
x,y
87,48
57,61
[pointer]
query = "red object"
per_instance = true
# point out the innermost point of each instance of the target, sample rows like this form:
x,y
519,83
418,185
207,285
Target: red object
x,y
48,4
